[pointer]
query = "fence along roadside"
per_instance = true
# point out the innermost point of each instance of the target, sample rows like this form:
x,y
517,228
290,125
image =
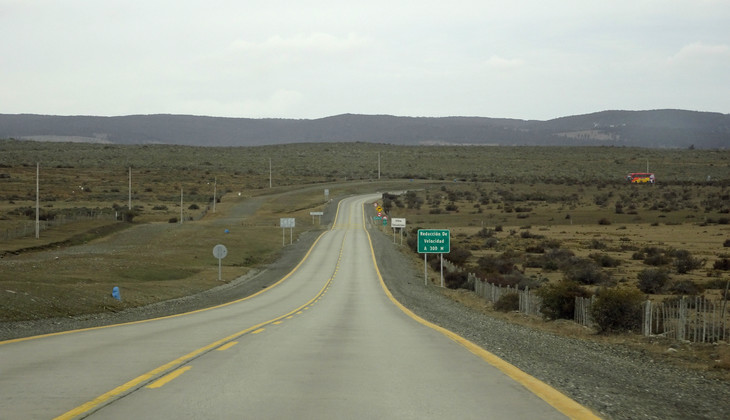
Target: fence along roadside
x,y
694,319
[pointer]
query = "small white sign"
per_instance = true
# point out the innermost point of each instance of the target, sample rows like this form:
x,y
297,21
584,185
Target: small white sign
x,y
316,213
397,222
220,251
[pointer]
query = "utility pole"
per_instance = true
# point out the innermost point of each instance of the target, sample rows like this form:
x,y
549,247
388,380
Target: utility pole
x,y
129,205
37,200
215,190
269,172
181,205
378,166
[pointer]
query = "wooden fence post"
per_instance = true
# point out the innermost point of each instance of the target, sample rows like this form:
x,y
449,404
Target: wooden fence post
x,y
646,327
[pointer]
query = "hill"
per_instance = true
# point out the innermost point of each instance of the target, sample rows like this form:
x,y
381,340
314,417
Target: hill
x,y
653,129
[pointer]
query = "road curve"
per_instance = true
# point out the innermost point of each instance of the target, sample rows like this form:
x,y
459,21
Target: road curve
x,y
327,341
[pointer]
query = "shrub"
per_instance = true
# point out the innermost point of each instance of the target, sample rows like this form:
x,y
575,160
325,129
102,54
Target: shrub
x,y
726,244
459,256
535,249
128,215
617,309
584,272
605,260
193,207
507,303
172,220
485,233
456,280
684,287
657,259
491,242
652,280
684,262
496,264
558,300
604,222
722,264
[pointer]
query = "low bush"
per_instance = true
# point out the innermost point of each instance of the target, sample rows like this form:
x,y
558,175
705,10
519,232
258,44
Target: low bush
x,y
491,243
657,260
456,280
722,264
558,300
652,280
597,244
617,309
605,260
496,264
508,303
684,262
684,287
584,272
459,256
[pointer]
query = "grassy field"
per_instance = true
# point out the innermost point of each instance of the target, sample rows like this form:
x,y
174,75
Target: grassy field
x,y
496,200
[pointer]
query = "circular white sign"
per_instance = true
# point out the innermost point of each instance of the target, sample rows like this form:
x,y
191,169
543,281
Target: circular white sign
x,y
220,251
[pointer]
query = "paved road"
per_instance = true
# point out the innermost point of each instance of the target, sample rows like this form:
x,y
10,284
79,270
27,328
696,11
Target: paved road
x,y
325,342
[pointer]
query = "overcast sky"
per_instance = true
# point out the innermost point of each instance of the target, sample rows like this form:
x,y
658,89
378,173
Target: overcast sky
x,y
524,59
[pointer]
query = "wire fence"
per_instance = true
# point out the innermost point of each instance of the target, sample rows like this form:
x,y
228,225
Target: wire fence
x,y
530,303
696,319
28,228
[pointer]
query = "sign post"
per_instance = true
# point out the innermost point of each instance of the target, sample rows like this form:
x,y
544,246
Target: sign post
x,y
220,252
434,241
400,224
316,213
287,222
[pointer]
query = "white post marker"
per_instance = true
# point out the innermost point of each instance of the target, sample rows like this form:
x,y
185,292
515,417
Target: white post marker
x,y
220,252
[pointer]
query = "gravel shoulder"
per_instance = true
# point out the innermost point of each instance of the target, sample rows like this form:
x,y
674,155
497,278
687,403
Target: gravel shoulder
x,y
615,381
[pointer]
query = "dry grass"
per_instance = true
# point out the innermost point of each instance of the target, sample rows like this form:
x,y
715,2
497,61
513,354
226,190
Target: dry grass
x,y
520,189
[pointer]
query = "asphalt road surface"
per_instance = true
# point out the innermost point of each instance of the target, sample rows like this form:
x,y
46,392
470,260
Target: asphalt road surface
x,y
327,341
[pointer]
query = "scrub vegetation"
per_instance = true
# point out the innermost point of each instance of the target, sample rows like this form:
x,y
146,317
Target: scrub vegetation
x,y
560,220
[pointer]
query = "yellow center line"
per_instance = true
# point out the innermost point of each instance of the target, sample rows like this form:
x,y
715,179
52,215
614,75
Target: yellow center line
x,y
167,378
149,376
259,331
227,346
552,396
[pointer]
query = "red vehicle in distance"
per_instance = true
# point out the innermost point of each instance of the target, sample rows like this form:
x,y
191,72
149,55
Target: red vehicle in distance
x,y
641,178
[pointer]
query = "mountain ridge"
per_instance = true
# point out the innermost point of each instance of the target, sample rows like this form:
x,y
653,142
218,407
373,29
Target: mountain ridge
x,y
668,128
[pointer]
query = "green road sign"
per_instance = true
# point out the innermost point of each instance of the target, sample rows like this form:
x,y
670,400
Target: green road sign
x,y
434,241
